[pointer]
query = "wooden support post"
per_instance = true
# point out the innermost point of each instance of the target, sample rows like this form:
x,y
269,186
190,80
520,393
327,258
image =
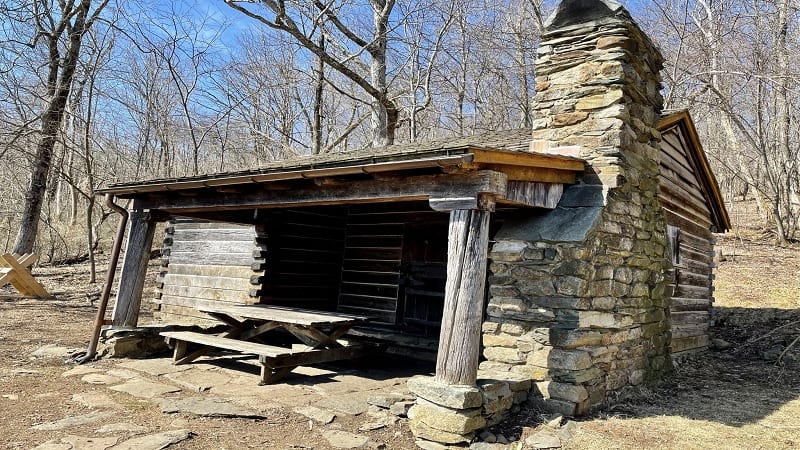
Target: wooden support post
x,y
134,269
460,336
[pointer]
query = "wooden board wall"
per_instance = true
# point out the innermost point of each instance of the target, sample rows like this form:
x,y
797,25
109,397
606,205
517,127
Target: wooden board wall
x,y
686,209
204,263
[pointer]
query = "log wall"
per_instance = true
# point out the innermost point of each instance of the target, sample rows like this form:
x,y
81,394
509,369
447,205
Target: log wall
x,y
689,218
204,263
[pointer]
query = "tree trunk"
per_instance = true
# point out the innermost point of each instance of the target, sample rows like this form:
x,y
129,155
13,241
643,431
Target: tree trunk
x,y
59,82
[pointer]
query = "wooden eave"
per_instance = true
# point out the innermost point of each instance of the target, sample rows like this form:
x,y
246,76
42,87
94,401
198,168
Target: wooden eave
x,y
448,178
701,166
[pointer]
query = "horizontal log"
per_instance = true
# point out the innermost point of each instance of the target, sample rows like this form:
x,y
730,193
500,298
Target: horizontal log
x,y
197,303
689,343
690,304
229,295
207,281
204,270
211,234
681,331
201,247
211,259
690,317
384,189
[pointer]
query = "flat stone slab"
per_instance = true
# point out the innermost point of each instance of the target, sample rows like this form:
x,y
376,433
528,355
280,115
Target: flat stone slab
x,y
207,407
199,381
124,374
80,370
155,367
67,422
156,441
121,427
95,400
100,378
343,439
320,415
386,400
53,351
145,389
354,403
72,442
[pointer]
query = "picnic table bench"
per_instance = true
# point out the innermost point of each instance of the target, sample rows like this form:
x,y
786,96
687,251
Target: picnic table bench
x,y
14,270
319,332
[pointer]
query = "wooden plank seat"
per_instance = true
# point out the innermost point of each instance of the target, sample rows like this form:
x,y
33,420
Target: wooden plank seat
x,y
276,362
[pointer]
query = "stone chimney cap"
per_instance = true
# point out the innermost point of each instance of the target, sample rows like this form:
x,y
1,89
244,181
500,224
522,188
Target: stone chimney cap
x,y
573,12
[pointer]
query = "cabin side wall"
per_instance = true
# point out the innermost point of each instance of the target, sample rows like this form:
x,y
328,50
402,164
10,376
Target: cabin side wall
x,y
692,245
204,263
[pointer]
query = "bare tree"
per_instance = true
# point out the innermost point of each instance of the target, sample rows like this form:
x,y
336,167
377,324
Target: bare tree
x,y
60,27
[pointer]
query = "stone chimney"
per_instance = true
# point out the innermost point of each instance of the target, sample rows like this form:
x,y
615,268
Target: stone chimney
x,y
578,296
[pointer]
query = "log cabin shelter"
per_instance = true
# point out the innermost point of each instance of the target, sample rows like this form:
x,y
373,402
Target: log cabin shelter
x,y
571,261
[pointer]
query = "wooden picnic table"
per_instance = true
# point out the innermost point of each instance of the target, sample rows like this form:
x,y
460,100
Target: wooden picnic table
x,y
247,324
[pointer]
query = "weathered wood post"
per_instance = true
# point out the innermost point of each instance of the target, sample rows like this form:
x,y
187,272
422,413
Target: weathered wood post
x,y
134,269
449,406
459,340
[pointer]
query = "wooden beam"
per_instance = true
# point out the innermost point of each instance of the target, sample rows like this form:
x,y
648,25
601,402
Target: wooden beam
x,y
134,269
537,195
383,190
524,159
459,339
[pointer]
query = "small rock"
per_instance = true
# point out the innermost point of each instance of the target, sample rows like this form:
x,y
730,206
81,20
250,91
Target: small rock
x,y
343,439
720,344
772,353
320,415
568,431
544,438
488,436
121,427
488,446
554,420
156,441
371,426
502,439
429,445
12,397
401,408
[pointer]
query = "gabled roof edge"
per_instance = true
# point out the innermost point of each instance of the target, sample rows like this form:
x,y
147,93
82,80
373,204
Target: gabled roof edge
x,y
684,120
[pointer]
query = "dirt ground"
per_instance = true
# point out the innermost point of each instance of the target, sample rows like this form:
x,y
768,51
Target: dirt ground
x,y
746,396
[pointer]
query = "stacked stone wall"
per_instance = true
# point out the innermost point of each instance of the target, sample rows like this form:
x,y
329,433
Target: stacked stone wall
x,y
585,313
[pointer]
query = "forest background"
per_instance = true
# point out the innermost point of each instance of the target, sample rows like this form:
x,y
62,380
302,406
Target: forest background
x,y
94,92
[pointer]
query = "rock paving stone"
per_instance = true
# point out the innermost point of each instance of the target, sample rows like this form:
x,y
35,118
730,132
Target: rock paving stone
x,y
320,415
544,439
71,442
400,409
121,427
344,439
155,367
386,400
53,351
95,400
156,441
199,381
94,416
207,407
81,370
124,374
100,378
353,404
145,389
